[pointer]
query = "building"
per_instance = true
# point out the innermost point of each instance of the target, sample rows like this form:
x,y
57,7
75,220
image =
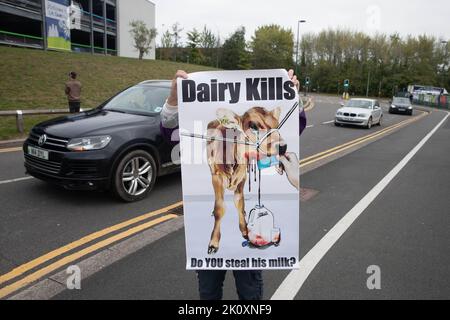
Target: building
x,y
92,26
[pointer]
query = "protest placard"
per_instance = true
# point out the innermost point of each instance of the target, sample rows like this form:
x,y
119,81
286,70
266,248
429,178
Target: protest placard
x,y
240,212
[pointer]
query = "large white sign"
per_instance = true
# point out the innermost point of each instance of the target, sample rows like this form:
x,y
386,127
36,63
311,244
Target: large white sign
x,y
240,210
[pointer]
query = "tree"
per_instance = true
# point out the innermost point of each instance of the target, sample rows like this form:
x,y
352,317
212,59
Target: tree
x,y
234,52
194,42
272,47
166,45
331,56
207,38
142,36
166,40
176,36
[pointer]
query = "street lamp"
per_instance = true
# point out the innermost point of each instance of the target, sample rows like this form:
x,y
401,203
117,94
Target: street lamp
x,y
298,39
445,62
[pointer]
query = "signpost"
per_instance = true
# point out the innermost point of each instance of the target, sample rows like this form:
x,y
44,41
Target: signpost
x,y
307,84
346,87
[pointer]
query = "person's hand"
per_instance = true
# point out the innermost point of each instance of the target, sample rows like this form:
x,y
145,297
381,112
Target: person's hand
x,y
294,79
173,97
291,167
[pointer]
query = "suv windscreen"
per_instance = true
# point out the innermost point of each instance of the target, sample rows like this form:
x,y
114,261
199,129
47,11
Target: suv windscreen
x,y
141,99
401,101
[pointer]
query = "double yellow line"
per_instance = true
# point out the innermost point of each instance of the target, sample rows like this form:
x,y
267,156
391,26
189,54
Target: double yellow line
x,y
338,149
5,150
40,273
7,290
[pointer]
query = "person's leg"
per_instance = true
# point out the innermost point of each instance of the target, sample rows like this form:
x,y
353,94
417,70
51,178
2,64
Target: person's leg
x,y
74,107
210,284
249,284
77,106
71,107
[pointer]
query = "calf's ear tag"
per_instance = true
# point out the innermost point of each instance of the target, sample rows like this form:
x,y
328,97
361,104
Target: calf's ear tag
x,y
227,119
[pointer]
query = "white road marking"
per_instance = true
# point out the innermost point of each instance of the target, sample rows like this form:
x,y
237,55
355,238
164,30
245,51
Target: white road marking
x,y
15,180
311,126
328,122
292,284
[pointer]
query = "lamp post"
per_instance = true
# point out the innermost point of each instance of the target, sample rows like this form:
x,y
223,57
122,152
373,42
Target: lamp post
x,y
297,51
444,63
445,43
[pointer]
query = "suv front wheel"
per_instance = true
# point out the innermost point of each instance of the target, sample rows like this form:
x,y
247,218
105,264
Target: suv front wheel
x,y
134,176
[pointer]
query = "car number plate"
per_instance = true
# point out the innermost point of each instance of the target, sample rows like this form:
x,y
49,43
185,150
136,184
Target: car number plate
x,y
38,153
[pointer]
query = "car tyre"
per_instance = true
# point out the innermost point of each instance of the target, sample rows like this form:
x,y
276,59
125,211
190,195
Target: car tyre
x,y
134,176
380,122
369,123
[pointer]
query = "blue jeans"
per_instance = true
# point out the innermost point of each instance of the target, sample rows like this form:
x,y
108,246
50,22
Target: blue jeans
x,y
249,284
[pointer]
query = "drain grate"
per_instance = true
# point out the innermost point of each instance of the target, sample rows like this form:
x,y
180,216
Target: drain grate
x,y
177,211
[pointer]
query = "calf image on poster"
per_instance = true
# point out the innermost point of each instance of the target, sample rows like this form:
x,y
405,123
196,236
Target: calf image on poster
x,y
240,211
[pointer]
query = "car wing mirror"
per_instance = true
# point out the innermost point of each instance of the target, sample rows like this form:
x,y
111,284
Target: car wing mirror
x,y
342,104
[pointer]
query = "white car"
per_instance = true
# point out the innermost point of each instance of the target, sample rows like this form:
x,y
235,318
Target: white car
x,y
360,112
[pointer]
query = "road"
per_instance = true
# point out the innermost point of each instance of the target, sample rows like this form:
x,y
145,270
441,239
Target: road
x,y
402,230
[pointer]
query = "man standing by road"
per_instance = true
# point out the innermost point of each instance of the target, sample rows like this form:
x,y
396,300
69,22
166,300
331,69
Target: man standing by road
x,y
73,92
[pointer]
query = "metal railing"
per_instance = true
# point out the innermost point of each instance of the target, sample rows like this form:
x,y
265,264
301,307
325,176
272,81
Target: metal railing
x,y
440,102
25,40
32,5
19,114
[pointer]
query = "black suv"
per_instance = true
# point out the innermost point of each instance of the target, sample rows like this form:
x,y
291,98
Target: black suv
x,y
401,105
116,146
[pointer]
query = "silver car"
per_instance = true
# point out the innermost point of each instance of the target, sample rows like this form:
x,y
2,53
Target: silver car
x,y
360,112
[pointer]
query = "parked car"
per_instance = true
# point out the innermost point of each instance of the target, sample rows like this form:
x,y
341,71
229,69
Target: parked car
x,y
117,146
359,112
401,105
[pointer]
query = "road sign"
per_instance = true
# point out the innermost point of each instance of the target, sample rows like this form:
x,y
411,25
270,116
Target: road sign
x,y
346,83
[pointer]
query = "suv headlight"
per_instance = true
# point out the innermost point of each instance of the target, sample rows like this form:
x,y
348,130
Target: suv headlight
x,y
88,143
393,106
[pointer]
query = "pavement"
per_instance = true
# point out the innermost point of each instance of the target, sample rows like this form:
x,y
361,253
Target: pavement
x,y
402,231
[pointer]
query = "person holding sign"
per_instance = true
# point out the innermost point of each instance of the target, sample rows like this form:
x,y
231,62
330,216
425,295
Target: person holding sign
x,y
261,87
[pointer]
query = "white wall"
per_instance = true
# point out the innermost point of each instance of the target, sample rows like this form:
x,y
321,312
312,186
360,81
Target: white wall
x,y
127,11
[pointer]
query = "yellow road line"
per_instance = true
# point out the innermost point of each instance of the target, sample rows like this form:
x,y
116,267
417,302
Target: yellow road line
x,y
350,144
57,252
77,255
4,150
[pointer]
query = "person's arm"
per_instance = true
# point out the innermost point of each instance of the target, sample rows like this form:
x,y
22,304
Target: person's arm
x,y
169,114
67,89
302,114
169,123
302,121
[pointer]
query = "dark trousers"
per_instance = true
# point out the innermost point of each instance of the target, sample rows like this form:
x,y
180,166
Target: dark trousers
x,y
74,106
249,284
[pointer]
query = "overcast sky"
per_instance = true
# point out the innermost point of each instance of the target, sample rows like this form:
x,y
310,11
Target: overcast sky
x,y
387,16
